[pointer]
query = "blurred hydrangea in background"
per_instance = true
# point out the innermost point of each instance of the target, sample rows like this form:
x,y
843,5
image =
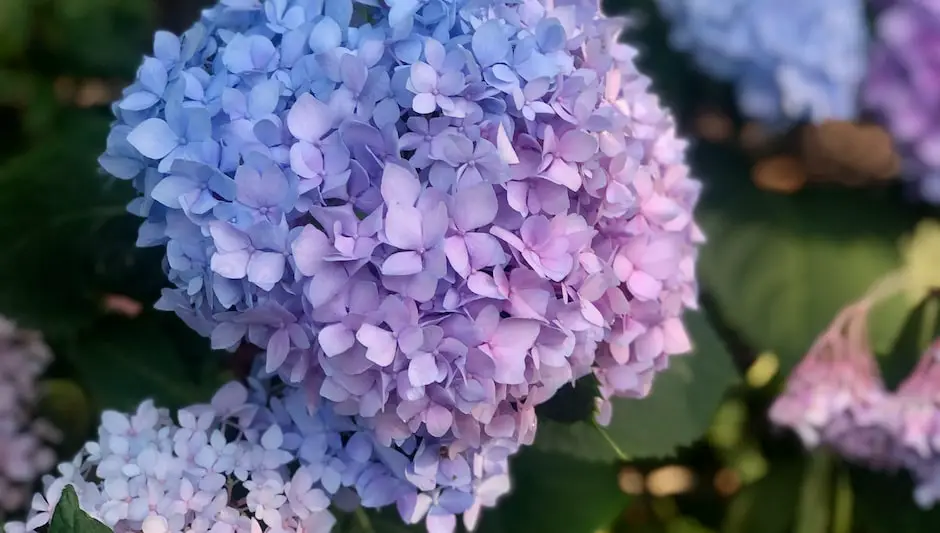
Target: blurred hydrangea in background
x,y
901,87
916,407
835,397
789,60
25,452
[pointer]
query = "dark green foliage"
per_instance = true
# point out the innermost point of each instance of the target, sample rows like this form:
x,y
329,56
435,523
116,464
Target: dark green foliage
x,y
920,329
573,403
780,267
555,493
767,505
369,521
69,518
884,504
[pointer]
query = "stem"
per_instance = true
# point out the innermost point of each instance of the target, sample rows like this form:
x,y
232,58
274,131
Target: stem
x,y
813,513
889,284
364,522
620,455
843,503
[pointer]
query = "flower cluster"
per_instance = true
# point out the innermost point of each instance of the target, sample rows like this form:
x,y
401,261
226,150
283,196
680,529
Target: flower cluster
x,y
24,454
899,87
835,396
147,473
260,460
429,214
916,407
789,60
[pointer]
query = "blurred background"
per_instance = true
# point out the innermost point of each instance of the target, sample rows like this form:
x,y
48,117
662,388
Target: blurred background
x,y
801,220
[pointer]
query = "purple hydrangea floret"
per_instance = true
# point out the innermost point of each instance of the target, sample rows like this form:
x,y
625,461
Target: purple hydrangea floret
x,y
900,87
789,60
429,214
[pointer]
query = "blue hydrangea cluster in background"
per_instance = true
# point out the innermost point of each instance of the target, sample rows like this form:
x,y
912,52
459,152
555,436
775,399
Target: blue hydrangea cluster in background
x,y
430,215
901,87
789,60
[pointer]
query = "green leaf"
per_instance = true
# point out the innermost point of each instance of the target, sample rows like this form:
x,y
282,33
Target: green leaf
x,y
780,267
676,413
68,517
122,362
584,440
885,504
683,401
374,521
920,329
554,493
573,403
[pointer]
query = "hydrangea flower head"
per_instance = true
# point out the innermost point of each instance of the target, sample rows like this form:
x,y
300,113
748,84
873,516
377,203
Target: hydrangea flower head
x,y
788,60
429,214
257,460
225,466
24,451
917,407
835,396
899,87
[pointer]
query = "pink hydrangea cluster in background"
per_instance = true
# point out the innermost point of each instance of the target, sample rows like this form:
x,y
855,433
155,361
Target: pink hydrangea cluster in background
x,y
24,451
835,396
836,399
916,406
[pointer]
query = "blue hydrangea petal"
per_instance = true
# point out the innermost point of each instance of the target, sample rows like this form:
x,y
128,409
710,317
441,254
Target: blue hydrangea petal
x,y
153,138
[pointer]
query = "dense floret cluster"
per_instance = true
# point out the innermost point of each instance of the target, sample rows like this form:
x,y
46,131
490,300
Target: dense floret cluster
x,y
257,460
916,406
900,85
220,467
24,451
835,396
789,60
836,399
429,214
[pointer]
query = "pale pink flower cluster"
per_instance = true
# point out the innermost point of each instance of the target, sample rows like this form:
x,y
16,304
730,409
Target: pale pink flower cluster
x,y
835,396
916,407
220,468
